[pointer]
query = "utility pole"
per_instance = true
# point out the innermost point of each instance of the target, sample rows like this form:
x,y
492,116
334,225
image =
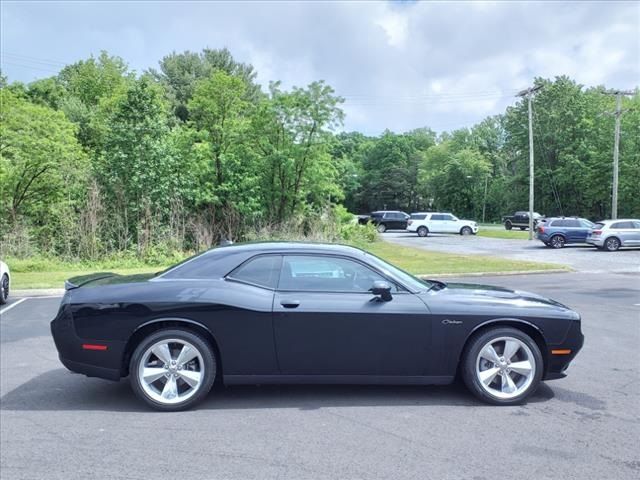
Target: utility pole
x,y
528,94
616,148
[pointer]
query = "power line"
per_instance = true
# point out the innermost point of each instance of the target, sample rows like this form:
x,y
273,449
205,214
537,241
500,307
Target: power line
x,y
29,58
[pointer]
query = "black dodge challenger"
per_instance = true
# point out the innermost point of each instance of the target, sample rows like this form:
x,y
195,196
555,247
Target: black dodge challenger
x,y
307,313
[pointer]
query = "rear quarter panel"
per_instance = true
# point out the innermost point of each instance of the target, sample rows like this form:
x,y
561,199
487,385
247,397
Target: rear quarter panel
x,y
237,315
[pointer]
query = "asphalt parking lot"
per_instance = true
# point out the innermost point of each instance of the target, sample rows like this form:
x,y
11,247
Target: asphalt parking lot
x,y
579,257
57,425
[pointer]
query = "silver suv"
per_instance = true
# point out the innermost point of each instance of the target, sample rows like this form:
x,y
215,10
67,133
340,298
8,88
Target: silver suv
x,y
610,235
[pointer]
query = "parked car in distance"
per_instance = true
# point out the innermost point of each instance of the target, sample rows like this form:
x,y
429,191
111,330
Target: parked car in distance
x,y
386,220
5,282
520,220
424,223
278,312
610,235
556,232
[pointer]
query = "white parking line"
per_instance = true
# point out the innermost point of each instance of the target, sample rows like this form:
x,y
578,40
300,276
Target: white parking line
x,y
4,310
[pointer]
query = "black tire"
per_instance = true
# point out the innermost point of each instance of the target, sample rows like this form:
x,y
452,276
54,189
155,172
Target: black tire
x,y
466,231
4,289
468,367
612,244
508,225
204,348
381,228
423,231
523,228
557,241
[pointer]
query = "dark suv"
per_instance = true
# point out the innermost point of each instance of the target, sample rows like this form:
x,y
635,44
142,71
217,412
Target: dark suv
x,y
556,232
387,220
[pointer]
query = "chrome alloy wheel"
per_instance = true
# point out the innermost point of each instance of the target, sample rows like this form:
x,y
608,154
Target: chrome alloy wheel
x,y
171,371
505,367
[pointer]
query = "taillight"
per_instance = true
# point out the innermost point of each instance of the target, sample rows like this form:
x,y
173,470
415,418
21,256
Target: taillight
x,y
596,232
540,229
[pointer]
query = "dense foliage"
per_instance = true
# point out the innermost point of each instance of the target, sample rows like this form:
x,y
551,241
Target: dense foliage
x,y
99,161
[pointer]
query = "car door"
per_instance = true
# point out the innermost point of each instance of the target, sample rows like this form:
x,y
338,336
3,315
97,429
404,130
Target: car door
x,y
327,323
635,235
450,224
436,224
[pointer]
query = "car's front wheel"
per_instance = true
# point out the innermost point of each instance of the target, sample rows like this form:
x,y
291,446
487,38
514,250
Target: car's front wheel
x,y
172,369
423,231
508,225
466,231
502,366
381,228
611,244
4,289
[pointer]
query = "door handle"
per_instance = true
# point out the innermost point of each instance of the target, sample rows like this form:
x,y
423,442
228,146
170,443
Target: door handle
x,y
290,303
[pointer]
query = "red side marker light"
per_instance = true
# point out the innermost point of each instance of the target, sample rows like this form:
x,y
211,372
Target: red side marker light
x,y
93,346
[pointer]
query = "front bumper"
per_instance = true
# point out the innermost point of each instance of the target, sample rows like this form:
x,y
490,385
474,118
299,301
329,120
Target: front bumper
x,y
557,364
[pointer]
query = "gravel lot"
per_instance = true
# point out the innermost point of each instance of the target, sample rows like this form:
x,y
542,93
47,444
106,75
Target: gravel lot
x,y
579,257
57,425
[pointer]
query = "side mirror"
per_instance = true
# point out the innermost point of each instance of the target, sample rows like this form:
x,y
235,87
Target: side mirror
x,y
381,289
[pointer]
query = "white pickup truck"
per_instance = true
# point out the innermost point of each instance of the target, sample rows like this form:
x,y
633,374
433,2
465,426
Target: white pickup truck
x,y
424,223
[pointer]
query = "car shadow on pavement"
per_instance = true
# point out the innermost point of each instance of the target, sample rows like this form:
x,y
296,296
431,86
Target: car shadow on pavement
x,y
60,390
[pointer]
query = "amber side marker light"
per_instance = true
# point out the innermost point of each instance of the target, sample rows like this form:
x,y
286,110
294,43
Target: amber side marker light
x,y
561,351
91,346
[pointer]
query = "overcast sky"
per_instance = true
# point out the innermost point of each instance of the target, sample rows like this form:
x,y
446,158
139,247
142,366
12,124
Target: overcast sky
x,y
399,65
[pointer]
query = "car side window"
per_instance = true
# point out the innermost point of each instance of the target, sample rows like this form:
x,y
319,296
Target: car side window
x,y
263,271
325,274
586,224
636,225
621,225
436,217
573,223
447,217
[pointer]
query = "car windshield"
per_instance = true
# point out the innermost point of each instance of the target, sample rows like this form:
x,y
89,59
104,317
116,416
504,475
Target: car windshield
x,y
414,283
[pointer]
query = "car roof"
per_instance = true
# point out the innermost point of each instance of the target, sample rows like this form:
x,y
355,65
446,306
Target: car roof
x,y
286,246
606,222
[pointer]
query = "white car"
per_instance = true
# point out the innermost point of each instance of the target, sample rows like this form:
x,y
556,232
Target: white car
x,y
424,223
5,282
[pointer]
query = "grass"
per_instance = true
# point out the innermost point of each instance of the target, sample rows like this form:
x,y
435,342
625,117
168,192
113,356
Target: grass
x,y
50,273
422,262
508,234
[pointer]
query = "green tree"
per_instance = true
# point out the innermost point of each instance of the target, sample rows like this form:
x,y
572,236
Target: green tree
x,y
41,163
180,73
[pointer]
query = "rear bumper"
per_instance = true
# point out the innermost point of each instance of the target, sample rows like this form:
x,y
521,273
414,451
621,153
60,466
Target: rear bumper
x,y
597,241
105,364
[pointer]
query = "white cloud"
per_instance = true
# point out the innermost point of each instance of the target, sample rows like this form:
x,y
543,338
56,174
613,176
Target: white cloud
x,y
399,65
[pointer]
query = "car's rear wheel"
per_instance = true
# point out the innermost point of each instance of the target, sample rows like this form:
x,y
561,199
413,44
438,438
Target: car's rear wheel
x,y
502,366
522,228
611,244
466,231
4,289
557,241
508,225
423,231
381,228
173,369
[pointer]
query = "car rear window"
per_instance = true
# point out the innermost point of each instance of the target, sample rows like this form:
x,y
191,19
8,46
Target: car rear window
x,y
598,226
418,216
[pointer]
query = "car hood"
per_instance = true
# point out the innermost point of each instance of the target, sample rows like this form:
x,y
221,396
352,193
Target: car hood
x,y
472,297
